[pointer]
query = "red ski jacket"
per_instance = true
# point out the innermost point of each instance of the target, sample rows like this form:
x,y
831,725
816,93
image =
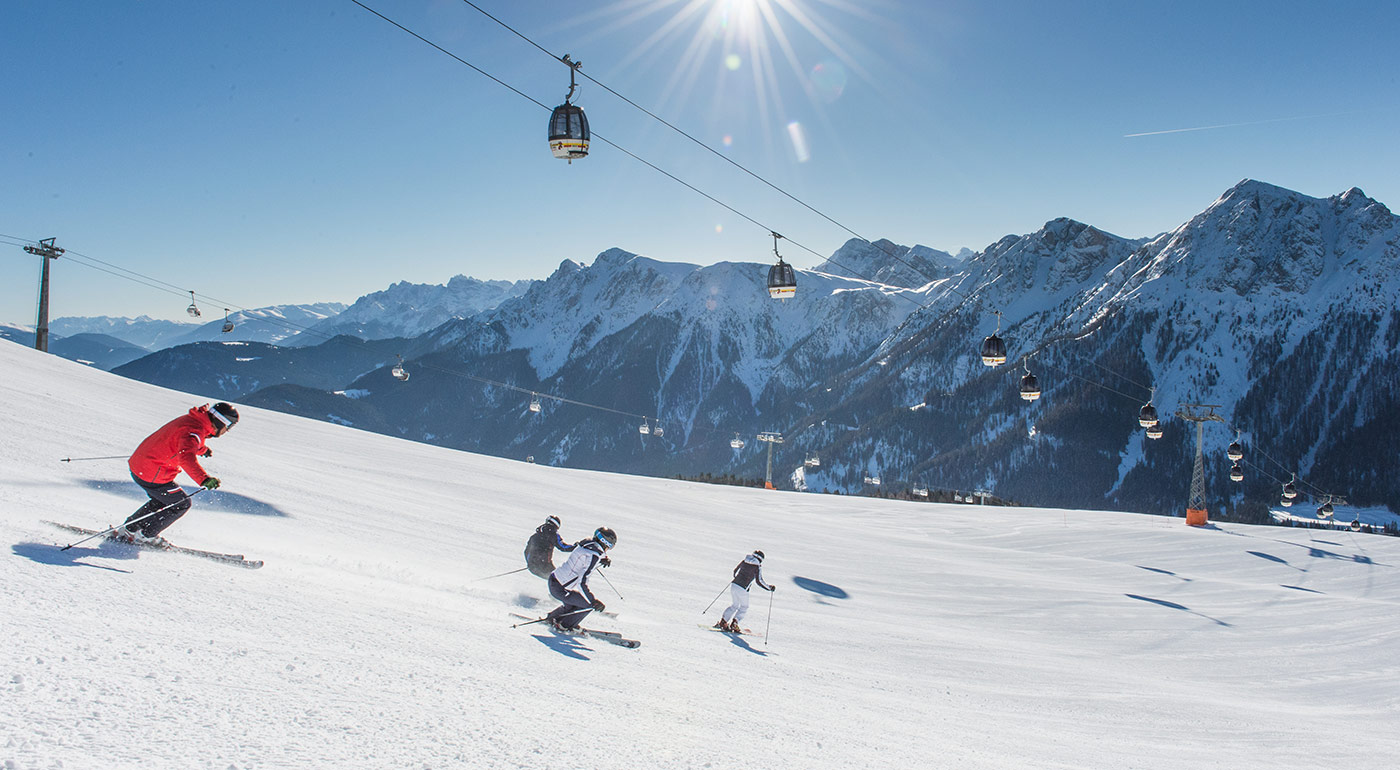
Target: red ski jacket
x,y
160,457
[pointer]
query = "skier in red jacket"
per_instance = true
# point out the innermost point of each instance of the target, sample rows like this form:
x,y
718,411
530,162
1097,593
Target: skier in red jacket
x,y
160,458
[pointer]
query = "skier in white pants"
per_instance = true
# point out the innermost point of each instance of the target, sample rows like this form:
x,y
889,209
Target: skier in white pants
x,y
749,571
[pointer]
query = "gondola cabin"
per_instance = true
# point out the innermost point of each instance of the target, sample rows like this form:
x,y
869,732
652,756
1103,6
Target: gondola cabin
x,y
782,280
1155,432
1030,387
1147,415
736,442
993,351
1236,472
568,132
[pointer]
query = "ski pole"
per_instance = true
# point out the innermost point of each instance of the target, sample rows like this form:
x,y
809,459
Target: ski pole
x,y
610,585
503,574
769,622
82,459
712,601
109,530
543,619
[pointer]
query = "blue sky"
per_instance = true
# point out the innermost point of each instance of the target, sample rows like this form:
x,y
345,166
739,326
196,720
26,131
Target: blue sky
x,y
271,152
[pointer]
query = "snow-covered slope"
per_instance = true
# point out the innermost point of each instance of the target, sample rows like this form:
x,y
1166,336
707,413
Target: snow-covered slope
x,y
902,635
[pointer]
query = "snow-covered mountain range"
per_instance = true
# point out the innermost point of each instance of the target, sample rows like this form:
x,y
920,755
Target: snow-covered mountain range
x,y
1277,306
410,309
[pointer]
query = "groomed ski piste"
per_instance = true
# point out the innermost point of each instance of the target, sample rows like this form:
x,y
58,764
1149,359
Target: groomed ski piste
x,y
902,635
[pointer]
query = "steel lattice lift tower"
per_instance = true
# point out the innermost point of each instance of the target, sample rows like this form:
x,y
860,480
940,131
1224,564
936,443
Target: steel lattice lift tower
x,y
770,438
48,251
1196,507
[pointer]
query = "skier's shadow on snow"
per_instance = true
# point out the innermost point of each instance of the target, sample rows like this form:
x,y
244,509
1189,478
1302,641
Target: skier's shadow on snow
x,y
43,553
1175,606
568,646
743,644
215,500
822,590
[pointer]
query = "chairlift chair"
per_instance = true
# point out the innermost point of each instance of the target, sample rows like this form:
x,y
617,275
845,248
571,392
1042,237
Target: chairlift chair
x,y
1356,523
782,279
568,126
228,323
920,491
193,309
873,481
644,428
812,461
400,373
1290,491
658,431
535,403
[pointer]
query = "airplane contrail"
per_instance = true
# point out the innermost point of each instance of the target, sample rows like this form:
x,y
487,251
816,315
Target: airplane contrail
x,y
1234,125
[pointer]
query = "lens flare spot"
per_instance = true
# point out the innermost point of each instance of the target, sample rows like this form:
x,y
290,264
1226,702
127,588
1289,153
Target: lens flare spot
x,y
798,136
828,80
719,229
733,62
728,140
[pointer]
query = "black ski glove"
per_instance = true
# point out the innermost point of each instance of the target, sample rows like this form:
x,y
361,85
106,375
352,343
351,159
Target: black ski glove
x,y
605,561
771,589
598,605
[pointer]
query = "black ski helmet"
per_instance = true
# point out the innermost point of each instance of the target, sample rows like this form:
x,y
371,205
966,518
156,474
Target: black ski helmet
x,y
223,414
759,554
552,522
606,537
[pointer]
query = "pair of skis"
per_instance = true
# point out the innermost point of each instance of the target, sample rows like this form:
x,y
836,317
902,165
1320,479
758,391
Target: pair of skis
x,y
235,559
611,637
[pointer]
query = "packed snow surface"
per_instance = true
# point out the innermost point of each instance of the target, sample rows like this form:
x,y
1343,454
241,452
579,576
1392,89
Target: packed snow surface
x,y
902,635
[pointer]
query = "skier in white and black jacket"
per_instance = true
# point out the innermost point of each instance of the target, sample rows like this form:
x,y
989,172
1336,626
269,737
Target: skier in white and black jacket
x,y
569,583
749,571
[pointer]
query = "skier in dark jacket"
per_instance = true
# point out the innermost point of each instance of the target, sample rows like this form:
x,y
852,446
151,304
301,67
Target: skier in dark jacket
x,y
176,446
569,583
539,549
749,571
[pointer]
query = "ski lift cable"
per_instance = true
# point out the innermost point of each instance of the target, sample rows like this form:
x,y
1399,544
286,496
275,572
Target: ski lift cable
x,y
600,138
707,147
1044,364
